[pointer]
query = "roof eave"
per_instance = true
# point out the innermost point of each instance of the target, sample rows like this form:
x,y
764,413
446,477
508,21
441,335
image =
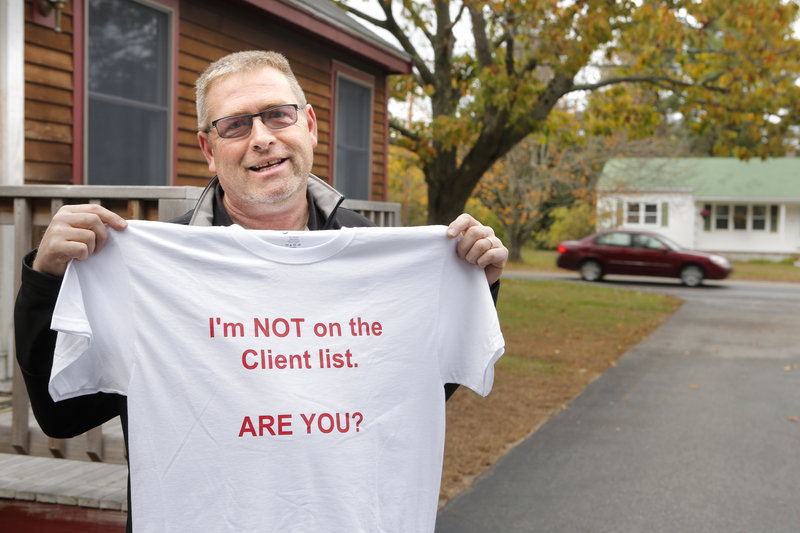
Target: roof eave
x,y
359,43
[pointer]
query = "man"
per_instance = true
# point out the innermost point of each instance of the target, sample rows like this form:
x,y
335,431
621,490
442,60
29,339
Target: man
x,y
257,133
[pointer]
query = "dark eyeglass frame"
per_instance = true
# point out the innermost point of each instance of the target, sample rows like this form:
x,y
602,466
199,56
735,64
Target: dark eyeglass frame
x,y
250,116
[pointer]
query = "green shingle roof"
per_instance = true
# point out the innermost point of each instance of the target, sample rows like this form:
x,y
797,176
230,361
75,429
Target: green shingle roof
x,y
707,177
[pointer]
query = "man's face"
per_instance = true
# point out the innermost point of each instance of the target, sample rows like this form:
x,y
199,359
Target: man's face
x,y
266,167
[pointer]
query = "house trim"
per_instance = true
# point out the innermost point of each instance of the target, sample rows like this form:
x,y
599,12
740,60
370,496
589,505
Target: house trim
x,y
336,33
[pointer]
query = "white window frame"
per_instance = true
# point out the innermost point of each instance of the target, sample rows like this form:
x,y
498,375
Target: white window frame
x,y
771,217
641,213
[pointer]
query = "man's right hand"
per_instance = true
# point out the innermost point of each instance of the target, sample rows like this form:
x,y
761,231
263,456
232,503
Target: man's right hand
x,y
76,232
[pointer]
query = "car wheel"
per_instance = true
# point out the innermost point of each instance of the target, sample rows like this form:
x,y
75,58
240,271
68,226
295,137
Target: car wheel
x,y
692,275
591,270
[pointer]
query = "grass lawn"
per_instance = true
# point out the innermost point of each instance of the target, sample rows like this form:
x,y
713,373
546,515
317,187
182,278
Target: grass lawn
x,y
559,337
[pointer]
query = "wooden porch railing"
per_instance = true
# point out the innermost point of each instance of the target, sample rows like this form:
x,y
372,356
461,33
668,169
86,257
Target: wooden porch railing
x,y
29,208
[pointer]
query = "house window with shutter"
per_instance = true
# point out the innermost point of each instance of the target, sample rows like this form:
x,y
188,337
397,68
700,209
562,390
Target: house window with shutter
x,y
128,93
642,213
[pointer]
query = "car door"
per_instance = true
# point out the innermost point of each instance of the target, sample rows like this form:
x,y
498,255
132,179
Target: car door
x,y
649,256
613,249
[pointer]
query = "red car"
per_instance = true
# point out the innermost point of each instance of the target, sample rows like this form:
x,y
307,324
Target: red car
x,y
639,253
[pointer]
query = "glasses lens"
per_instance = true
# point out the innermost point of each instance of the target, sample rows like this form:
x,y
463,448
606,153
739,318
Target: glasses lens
x,y
234,126
274,118
279,117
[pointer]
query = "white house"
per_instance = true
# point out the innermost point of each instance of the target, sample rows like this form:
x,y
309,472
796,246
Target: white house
x,y
725,205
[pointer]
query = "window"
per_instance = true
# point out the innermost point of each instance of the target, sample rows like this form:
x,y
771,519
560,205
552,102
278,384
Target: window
x,y
613,239
648,242
353,132
633,213
743,217
642,213
650,214
128,93
740,217
759,217
721,214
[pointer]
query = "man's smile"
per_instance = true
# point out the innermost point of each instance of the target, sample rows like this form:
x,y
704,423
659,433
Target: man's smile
x,y
267,165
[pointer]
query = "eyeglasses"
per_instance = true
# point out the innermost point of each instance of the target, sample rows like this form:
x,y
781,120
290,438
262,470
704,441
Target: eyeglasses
x,y
275,118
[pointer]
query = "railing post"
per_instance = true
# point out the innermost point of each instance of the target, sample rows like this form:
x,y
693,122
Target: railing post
x,y
23,241
57,447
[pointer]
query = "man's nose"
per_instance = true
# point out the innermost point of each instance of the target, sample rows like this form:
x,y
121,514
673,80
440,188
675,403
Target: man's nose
x,y
260,135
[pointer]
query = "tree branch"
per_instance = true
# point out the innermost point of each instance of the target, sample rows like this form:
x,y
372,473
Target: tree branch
x,y
661,81
483,51
402,130
390,24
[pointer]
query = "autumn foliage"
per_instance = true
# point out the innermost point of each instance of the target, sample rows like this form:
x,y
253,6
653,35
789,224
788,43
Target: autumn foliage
x,y
493,71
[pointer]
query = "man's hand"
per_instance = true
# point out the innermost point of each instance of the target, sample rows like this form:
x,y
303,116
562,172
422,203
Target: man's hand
x,y
479,245
76,232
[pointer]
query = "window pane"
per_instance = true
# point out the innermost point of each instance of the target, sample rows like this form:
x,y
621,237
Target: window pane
x,y
127,45
614,239
128,96
633,213
721,217
740,217
759,217
706,213
352,155
117,153
650,213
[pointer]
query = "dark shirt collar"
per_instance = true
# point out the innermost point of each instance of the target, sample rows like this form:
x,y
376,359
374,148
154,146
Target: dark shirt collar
x,y
316,219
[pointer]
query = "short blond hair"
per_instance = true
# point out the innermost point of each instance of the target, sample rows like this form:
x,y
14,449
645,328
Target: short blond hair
x,y
237,63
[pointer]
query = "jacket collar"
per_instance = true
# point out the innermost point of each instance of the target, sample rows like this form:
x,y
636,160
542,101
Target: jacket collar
x,y
323,201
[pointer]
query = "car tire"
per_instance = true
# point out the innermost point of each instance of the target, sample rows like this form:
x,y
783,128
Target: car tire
x,y
591,270
692,275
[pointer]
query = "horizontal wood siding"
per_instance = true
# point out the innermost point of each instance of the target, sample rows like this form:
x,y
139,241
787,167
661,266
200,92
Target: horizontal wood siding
x,y
48,100
208,30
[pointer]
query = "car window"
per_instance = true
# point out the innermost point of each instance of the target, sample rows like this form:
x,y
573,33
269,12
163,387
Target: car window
x,y
646,241
613,239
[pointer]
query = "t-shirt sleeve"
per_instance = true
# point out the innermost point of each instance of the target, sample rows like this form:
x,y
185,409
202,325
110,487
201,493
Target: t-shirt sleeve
x,y
94,335
470,336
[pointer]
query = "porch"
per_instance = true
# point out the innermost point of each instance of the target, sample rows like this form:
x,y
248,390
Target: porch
x,y
25,212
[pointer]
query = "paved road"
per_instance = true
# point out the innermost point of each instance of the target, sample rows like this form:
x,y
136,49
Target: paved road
x,y
697,429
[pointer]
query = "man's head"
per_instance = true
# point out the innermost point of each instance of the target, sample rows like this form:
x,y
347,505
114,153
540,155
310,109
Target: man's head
x,y
264,162
237,63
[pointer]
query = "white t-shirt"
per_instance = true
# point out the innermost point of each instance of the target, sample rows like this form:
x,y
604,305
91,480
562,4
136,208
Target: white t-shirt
x,y
278,381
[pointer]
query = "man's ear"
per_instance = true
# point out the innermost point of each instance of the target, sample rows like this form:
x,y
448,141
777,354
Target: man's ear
x,y
311,119
205,146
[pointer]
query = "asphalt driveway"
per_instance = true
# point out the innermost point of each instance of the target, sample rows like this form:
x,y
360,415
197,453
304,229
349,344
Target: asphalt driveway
x,y
697,429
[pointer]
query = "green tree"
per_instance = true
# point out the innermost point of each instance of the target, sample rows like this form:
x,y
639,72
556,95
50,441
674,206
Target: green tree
x,y
729,65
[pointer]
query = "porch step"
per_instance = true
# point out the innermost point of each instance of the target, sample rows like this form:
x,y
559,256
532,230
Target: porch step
x,y
64,481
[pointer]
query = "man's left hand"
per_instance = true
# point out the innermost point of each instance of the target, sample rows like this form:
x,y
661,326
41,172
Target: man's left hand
x,y
479,245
